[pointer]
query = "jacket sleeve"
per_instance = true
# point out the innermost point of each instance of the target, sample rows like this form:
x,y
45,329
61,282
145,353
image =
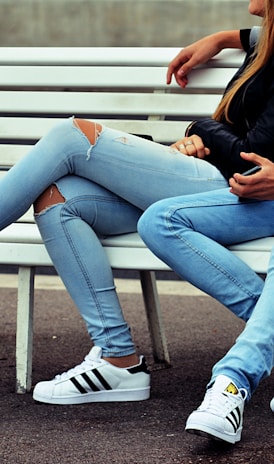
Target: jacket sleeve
x,y
225,145
249,37
254,35
245,38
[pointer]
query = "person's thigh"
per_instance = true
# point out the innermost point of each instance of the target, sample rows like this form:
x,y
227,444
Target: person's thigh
x,y
220,215
104,211
143,172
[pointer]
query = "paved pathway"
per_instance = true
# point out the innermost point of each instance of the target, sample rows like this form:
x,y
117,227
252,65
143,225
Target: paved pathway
x,y
199,332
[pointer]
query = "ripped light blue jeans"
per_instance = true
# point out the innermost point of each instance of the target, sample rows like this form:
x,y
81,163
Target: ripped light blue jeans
x,y
190,234
105,187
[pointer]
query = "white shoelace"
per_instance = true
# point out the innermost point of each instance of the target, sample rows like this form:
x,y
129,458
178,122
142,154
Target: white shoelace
x,y
215,399
91,361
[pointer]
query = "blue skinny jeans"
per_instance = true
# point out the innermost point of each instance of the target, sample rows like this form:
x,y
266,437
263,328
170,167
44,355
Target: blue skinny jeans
x,y
105,187
190,233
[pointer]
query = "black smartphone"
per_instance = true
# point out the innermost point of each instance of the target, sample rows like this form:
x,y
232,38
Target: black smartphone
x,y
252,171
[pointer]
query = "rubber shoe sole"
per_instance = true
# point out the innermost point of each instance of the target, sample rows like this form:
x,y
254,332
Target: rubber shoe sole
x,y
98,397
208,432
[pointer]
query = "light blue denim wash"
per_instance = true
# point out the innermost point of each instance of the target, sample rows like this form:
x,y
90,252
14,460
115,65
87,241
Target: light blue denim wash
x,y
190,234
106,187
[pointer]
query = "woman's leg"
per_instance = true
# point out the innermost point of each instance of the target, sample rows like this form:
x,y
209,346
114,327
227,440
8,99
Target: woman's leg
x,y
193,229
71,216
251,358
188,233
138,170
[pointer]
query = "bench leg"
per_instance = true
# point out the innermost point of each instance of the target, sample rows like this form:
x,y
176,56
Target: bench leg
x,y
24,329
154,317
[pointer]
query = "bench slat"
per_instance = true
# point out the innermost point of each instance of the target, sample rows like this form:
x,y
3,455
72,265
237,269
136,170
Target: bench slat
x,y
116,56
25,129
22,244
10,154
119,104
108,77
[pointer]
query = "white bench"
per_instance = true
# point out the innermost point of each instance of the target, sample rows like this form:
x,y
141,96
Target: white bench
x,y
123,88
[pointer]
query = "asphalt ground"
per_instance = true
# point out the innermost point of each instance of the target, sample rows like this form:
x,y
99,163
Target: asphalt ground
x,y
199,331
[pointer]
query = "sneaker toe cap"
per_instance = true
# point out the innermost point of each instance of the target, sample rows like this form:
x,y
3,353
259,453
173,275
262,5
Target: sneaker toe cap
x,y
208,423
42,391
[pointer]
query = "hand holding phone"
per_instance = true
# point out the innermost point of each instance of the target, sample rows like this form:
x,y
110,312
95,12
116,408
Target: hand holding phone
x,y
249,173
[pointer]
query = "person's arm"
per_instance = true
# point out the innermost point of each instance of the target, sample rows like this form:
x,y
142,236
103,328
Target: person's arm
x,y
259,186
200,52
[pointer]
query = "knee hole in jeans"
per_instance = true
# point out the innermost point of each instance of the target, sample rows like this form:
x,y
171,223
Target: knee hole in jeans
x,y
51,196
91,129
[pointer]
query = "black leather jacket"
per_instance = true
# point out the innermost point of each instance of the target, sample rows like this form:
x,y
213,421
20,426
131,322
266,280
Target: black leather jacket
x,y
252,116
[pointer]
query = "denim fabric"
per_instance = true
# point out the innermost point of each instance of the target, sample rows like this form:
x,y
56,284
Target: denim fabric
x,y
71,232
190,234
106,186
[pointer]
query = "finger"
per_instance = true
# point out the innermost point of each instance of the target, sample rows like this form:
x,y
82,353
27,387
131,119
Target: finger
x,y
233,183
178,146
195,147
180,67
187,67
190,147
175,146
252,157
181,81
235,188
173,66
202,152
169,74
247,180
182,147
247,190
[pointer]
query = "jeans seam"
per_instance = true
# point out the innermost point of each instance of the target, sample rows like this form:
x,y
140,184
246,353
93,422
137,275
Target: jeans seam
x,y
206,257
87,280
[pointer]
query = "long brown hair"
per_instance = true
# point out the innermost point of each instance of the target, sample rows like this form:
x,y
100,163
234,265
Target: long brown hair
x,y
262,53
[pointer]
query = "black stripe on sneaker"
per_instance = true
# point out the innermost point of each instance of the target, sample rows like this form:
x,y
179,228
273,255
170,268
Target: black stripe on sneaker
x,y
237,417
78,385
101,379
234,420
235,427
89,382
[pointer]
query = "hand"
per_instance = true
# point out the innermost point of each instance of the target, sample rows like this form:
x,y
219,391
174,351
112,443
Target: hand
x,y
200,52
259,186
191,146
189,57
